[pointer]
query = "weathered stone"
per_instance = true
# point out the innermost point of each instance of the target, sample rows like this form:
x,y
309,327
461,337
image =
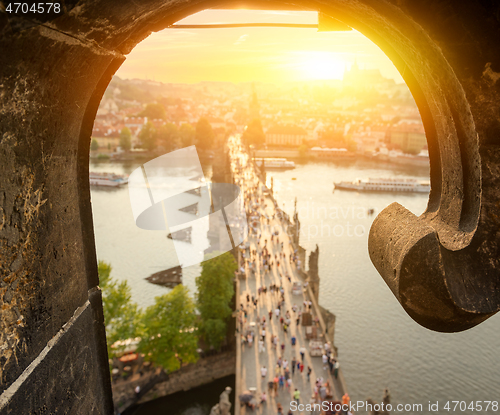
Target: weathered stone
x,y
190,376
443,266
16,264
63,377
7,297
313,272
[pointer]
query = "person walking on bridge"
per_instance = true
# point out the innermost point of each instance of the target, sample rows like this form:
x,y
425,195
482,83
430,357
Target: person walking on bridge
x,y
336,367
302,352
296,395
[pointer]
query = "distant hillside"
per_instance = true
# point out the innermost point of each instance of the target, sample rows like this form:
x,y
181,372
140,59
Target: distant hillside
x,y
130,90
146,91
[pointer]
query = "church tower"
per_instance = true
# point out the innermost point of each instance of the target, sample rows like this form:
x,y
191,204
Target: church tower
x,y
254,109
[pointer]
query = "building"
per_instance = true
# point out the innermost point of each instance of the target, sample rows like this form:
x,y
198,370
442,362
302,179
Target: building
x,y
368,141
135,122
364,78
285,135
111,142
409,137
107,137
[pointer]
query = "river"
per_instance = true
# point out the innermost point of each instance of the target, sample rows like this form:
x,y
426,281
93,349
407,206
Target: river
x,y
379,344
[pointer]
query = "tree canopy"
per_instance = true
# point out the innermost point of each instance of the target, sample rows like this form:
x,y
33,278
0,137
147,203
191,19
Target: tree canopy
x,y
154,111
125,139
94,145
169,335
121,315
204,134
167,136
147,136
412,151
186,135
215,291
303,150
254,134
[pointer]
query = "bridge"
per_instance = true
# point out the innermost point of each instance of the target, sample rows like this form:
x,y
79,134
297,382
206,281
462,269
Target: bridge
x,y
251,358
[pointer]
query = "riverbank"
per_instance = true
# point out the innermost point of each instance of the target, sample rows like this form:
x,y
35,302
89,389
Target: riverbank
x,y
341,157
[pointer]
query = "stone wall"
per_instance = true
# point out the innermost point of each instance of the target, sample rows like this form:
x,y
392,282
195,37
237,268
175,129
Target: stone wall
x,y
191,376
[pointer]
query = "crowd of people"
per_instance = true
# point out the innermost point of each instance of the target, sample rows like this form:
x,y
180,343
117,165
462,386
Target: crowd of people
x,y
264,254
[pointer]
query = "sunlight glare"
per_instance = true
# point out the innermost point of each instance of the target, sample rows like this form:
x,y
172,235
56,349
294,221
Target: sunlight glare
x,y
321,65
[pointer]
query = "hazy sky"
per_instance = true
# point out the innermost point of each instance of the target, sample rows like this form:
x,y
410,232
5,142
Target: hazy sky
x,y
252,54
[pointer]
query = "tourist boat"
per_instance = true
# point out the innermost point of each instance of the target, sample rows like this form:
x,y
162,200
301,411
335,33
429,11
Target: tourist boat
x,y
386,185
275,163
107,179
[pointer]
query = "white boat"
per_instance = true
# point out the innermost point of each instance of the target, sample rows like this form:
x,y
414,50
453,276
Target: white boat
x,y
386,185
275,163
107,179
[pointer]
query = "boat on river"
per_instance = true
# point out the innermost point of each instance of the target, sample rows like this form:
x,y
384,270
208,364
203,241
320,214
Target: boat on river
x,y
275,163
386,185
107,179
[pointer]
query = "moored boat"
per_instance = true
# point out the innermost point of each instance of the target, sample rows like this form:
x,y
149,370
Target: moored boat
x,y
275,163
107,179
386,185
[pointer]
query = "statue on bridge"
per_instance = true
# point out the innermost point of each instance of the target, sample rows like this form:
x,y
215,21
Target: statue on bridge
x,y
224,405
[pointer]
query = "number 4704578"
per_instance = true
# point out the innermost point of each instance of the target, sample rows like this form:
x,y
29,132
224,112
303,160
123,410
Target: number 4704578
x,y
478,406
25,8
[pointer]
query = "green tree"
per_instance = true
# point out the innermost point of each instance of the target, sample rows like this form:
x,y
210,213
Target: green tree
x,y
303,150
204,134
147,137
169,335
167,136
94,145
125,139
254,134
186,135
121,315
180,113
215,291
154,111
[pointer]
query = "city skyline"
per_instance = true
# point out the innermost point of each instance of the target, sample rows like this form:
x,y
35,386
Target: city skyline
x,y
247,54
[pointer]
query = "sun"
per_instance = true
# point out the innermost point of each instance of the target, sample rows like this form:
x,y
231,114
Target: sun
x,y
321,65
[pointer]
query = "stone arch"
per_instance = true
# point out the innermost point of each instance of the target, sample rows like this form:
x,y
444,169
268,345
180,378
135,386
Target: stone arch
x,y
442,266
